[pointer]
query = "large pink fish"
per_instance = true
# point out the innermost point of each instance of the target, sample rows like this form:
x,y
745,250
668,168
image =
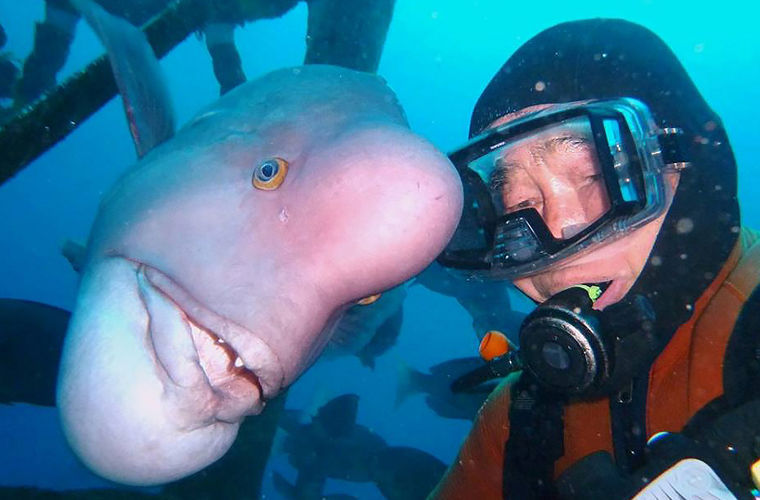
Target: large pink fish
x,y
218,263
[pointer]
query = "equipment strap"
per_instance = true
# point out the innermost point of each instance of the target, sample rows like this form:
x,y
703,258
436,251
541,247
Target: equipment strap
x,y
535,441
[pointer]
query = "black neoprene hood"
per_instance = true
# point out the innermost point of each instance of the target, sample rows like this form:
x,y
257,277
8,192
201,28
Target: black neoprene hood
x,y
607,58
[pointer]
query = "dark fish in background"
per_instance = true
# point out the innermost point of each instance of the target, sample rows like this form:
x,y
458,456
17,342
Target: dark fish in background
x,y
487,302
399,472
332,444
31,338
403,473
385,337
436,386
305,491
369,330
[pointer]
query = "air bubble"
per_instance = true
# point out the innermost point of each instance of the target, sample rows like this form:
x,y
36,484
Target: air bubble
x,y
684,225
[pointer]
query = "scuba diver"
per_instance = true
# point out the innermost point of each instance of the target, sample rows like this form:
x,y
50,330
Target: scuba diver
x,y
599,182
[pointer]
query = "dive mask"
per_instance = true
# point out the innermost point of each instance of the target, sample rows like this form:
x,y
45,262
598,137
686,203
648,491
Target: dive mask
x,y
604,161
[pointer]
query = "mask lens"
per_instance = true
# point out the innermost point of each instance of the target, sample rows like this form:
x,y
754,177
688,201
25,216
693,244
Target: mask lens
x,y
555,170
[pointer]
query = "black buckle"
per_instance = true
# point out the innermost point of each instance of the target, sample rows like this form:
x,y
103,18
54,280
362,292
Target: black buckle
x,y
673,147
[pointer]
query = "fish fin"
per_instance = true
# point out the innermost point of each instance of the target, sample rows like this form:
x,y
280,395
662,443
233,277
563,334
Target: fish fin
x,y
408,382
283,486
75,253
338,416
138,77
366,360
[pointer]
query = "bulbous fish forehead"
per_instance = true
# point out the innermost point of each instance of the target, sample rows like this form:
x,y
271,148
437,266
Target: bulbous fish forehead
x,y
293,96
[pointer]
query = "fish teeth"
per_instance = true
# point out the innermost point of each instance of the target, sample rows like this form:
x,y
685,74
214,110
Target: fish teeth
x,y
238,362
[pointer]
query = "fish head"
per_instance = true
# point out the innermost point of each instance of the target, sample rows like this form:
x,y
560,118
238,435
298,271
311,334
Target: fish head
x,y
207,288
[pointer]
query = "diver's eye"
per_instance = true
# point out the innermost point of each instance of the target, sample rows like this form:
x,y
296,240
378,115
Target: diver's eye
x,y
269,174
368,300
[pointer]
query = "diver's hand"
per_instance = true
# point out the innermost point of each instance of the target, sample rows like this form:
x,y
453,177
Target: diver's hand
x,y
680,467
675,465
732,438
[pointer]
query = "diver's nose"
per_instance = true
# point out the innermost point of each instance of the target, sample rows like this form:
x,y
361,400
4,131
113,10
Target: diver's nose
x,y
564,216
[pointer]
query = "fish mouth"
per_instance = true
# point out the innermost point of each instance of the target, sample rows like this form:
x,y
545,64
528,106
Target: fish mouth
x,y
194,345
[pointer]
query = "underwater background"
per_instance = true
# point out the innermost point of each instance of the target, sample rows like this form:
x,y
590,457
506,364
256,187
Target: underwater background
x,y
438,57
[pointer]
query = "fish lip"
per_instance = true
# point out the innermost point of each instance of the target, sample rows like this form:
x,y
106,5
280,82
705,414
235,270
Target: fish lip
x,y
257,356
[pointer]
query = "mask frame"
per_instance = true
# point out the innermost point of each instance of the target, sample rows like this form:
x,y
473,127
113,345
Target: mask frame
x,y
633,154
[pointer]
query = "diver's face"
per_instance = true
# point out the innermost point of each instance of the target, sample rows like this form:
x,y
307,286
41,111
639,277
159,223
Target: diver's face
x,y
557,173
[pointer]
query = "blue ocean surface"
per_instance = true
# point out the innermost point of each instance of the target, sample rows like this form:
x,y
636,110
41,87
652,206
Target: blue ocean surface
x,y
438,57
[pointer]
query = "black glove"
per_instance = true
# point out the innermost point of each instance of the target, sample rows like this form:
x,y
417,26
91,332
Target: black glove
x,y
733,439
726,448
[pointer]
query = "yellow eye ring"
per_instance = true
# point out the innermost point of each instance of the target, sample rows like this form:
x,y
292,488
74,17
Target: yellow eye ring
x,y
368,300
269,174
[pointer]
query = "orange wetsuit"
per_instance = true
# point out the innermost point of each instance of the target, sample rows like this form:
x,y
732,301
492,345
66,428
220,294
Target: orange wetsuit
x,y
686,376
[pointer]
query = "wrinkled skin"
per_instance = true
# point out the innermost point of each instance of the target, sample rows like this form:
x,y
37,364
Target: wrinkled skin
x,y
185,251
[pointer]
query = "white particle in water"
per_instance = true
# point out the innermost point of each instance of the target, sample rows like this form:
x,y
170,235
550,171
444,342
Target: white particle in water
x,y
684,225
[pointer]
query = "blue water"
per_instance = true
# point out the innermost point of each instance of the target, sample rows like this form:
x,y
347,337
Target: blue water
x,y
438,57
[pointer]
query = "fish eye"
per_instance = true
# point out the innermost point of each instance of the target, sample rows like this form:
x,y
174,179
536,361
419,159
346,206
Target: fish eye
x,y
269,174
368,300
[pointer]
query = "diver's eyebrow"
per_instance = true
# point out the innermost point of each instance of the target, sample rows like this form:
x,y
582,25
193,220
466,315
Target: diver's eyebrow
x,y
502,164
553,144
498,175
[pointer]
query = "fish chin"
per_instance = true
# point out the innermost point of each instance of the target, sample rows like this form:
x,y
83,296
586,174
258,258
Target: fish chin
x,y
121,413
